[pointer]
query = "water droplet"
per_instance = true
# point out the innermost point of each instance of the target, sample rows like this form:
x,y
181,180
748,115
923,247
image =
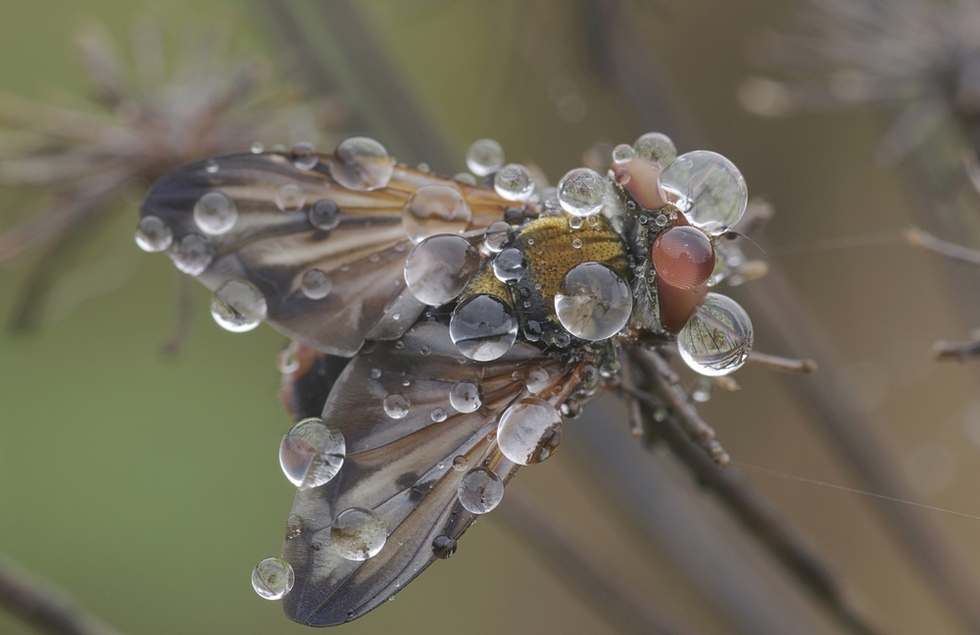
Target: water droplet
x,y
287,362
215,213
510,265
581,192
623,153
375,373
718,338
701,390
460,463
576,243
480,490
537,380
273,578
513,182
294,526
316,284
152,234
484,157
324,214
396,405
593,302
575,222
258,147
358,534
193,254
211,166
529,431
661,220
465,397
238,306
655,146
497,235
465,178
290,198
438,268
304,156
435,209
708,188
483,327
312,453
363,164
439,415
443,546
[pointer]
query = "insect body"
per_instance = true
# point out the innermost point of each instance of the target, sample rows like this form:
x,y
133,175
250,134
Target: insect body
x,y
440,329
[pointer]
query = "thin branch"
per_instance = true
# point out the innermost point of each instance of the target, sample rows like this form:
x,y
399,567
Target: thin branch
x,y
956,351
921,238
782,364
44,607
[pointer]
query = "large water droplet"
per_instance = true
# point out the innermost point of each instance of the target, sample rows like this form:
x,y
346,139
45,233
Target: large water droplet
x,y
513,182
273,578
484,157
358,534
363,164
290,198
316,284
483,327
435,209
396,405
708,188
193,254
238,306
324,214
510,265
529,431
465,397
215,213
581,192
304,156
480,490
152,234
312,453
593,302
498,233
655,146
718,338
438,268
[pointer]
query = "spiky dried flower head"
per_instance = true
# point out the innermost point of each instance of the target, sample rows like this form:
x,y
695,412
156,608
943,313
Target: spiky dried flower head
x,y
144,117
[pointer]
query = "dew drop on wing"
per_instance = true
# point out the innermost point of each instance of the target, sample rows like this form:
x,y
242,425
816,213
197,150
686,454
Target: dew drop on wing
x,y
312,453
438,268
465,397
529,431
215,213
304,155
290,198
480,490
362,164
324,214
358,534
193,254
316,284
238,306
153,235
435,209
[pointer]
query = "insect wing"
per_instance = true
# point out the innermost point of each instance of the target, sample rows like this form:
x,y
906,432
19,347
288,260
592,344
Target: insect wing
x,y
277,236
402,434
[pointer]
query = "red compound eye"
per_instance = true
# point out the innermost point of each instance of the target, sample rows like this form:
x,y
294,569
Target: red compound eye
x,y
684,259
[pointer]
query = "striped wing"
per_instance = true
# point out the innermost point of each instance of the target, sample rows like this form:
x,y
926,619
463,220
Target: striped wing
x,y
363,254
401,469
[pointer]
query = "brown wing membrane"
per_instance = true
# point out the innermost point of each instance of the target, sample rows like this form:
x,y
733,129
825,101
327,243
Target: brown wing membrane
x,y
364,254
402,469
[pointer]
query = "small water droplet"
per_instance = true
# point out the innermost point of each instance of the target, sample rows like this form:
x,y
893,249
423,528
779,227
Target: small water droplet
x,y
510,265
324,214
484,157
215,213
439,268
537,380
483,327
273,578
460,463
435,209
316,284
439,415
396,405
480,490
575,222
655,146
294,526
465,397
375,373
718,338
290,198
362,164
701,390
152,234
304,156
593,302
513,182
465,178
358,534
312,453
211,166
193,254
258,147
623,153
576,243
443,546
497,235
238,306
287,362
529,431
581,192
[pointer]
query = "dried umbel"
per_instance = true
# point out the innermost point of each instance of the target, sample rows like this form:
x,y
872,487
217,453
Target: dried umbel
x,y
145,118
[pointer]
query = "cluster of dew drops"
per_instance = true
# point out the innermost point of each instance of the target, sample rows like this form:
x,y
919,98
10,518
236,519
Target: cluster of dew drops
x,y
593,302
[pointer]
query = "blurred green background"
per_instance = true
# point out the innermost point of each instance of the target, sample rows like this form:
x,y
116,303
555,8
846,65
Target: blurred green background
x,y
148,487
